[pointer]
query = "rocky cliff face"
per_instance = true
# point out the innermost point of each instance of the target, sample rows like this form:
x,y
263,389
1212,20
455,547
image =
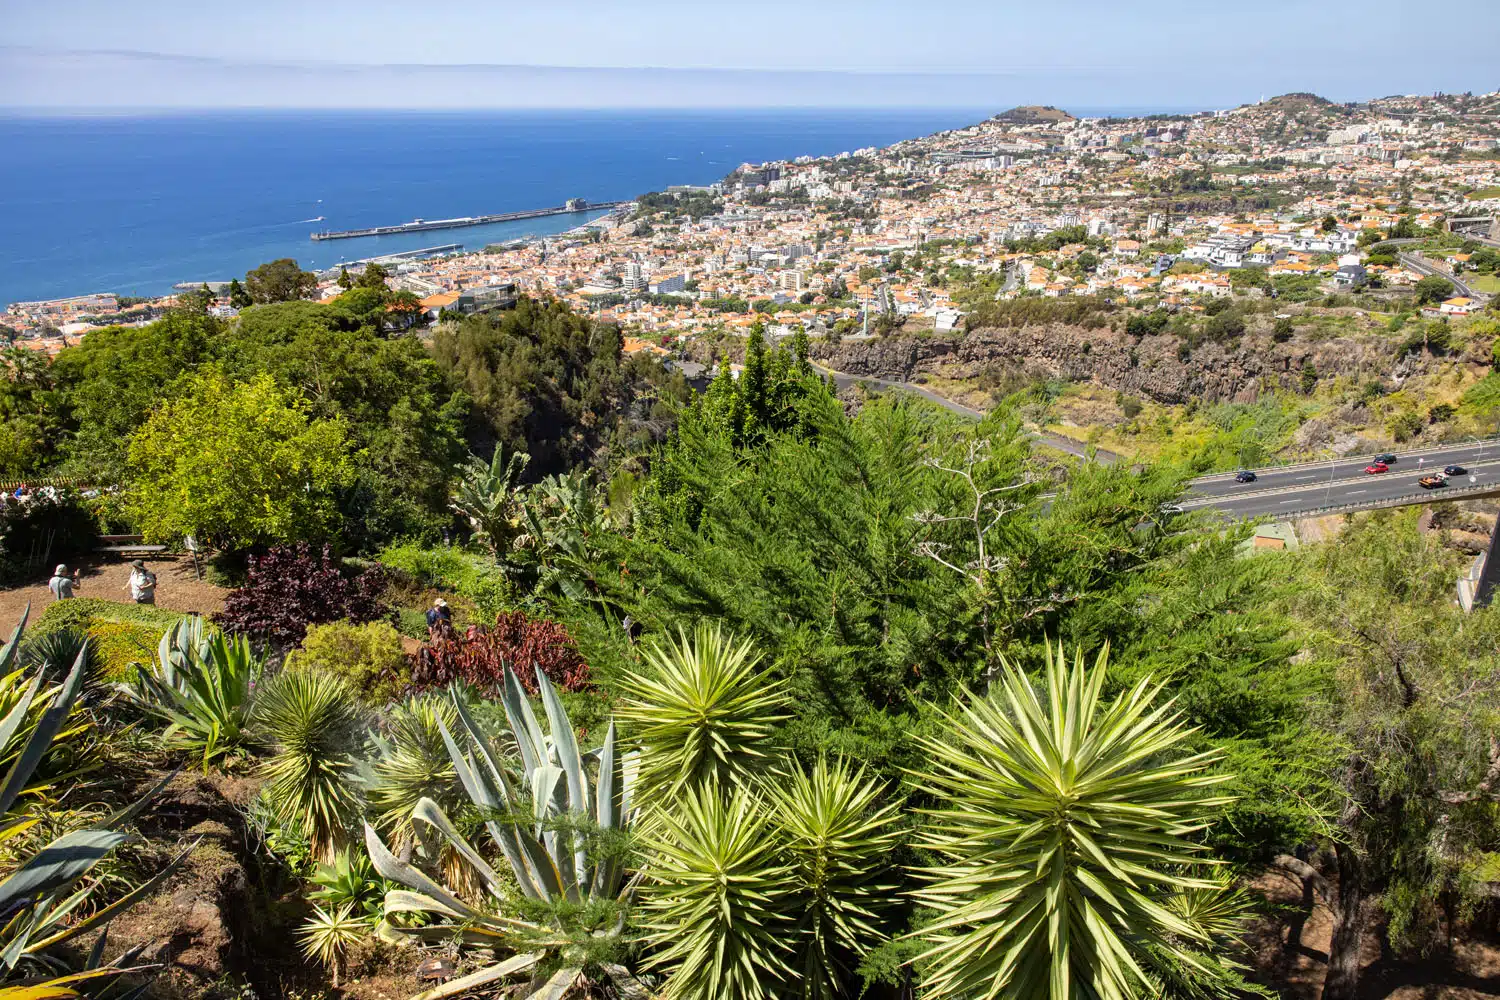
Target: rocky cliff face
x,y
1148,367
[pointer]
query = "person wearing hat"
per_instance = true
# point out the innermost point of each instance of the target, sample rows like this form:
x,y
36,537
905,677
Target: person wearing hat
x,y
142,583
439,615
61,583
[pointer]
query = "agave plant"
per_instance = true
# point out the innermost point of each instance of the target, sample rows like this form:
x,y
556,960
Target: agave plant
x,y
558,817
68,755
41,898
1066,829
201,685
704,713
348,881
717,900
313,720
838,836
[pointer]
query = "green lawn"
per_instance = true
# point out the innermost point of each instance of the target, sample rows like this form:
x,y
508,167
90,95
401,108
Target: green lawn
x,y
1483,193
1487,283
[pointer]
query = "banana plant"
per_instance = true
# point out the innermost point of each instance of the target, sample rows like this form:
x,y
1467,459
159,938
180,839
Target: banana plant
x,y
41,897
558,816
201,685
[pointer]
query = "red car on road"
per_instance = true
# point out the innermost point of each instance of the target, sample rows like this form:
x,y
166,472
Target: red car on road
x,y
1376,467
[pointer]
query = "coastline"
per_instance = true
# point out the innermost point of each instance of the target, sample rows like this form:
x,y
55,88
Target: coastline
x,y
69,232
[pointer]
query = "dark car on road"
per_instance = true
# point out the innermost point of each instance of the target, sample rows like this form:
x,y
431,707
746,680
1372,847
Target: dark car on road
x,y
1432,482
1244,476
1383,459
1455,470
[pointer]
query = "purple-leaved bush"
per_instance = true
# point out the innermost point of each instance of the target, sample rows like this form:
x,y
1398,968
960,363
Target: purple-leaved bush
x,y
292,587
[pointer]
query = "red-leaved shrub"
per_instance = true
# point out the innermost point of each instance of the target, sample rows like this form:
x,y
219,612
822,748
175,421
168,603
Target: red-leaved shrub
x,y
479,657
290,588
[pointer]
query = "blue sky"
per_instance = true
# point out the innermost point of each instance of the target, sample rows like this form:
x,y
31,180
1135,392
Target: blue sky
x,y
500,53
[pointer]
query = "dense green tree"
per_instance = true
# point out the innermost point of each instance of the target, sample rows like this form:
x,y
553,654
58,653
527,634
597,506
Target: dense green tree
x,y
280,281
374,276
111,380
1309,380
403,421
1417,703
238,297
236,464
556,385
345,281
1433,289
29,423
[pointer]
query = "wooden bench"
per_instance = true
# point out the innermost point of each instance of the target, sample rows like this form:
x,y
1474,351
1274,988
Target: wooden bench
x,y
127,545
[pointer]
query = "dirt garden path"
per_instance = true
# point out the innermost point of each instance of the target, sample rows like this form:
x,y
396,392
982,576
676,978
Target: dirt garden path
x,y
177,588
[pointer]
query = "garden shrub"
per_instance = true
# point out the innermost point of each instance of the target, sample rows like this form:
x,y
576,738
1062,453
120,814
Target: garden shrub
x,y
517,640
123,634
411,622
369,656
467,574
291,587
1406,424
40,530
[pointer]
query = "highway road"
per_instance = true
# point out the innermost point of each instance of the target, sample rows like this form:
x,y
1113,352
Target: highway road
x,y
1422,266
1296,490
1353,468
1062,444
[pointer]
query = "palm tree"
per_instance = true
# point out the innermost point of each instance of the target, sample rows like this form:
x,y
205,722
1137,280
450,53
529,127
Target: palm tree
x,y
1069,864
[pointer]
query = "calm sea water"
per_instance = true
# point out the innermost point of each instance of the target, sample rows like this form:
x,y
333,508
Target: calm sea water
x,y
134,204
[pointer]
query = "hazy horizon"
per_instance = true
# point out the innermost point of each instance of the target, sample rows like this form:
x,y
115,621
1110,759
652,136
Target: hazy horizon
x,y
469,54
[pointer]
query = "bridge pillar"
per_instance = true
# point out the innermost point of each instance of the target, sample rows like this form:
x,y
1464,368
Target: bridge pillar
x,y
1488,577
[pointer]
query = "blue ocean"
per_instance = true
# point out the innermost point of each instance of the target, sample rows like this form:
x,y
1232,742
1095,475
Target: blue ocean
x,y
135,204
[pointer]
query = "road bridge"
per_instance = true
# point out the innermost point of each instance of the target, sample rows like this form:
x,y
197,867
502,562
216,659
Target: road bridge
x,y
1289,492
1314,489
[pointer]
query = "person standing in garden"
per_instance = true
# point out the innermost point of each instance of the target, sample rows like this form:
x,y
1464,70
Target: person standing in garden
x,y
62,584
142,583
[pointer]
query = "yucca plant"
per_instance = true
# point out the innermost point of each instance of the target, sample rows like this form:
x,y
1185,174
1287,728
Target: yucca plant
x,y
411,763
838,836
41,898
313,721
560,818
201,685
1066,830
53,654
704,712
717,899
328,936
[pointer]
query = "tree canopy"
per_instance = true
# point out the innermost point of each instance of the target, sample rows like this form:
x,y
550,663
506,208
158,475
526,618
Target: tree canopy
x,y
236,464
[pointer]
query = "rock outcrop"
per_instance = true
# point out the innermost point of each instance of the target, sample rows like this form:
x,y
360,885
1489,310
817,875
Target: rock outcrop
x,y
1148,367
